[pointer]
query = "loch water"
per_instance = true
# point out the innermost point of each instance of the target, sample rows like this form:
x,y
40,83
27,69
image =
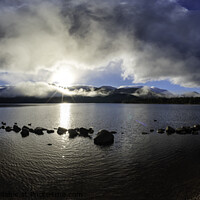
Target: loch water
x,y
136,166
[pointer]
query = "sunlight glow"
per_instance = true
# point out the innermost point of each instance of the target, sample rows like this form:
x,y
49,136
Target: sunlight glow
x,y
63,74
64,77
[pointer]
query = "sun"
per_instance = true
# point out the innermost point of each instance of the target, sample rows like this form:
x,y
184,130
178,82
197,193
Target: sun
x,y
64,77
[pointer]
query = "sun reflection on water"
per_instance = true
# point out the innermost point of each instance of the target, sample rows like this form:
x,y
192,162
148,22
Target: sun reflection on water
x,y
65,122
65,113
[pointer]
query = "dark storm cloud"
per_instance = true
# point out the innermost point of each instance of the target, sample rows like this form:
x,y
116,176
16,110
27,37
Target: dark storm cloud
x,y
152,39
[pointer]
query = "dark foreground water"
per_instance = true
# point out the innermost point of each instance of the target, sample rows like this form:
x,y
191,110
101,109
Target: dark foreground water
x,y
136,166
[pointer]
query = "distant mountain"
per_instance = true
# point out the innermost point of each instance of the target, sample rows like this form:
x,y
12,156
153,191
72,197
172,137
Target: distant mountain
x,y
153,92
190,94
43,93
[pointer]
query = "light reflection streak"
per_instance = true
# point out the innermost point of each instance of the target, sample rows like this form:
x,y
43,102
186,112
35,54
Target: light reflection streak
x,y
141,123
65,114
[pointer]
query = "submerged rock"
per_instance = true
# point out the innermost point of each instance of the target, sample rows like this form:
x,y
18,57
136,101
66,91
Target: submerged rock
x,y
61,130
161,130
39,131
16,128
50,131
169,130
104,137
25,132
113,132
72,133
8,129
144,133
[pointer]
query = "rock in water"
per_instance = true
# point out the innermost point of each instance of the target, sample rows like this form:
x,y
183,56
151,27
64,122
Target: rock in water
x,y
187,129
197,127
104,137
144,133
113,132
31,130
25,132
170,130
180,131
72,133
91,130
61,130
84,132
161,130
8,129
39,130
16,128
25,127
50,131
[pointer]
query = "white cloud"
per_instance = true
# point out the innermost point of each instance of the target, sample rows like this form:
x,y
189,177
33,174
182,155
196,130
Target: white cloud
x,y
155,39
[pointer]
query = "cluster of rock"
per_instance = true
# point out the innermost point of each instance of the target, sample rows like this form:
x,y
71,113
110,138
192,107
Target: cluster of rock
x,y
182,130
103,137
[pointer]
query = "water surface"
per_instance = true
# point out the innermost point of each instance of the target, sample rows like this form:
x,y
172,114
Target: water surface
x,y
136,166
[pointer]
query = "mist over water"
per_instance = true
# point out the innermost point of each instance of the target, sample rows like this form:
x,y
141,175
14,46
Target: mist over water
x,y
136,166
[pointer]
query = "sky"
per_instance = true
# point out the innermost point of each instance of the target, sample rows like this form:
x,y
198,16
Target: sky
x,y
107,42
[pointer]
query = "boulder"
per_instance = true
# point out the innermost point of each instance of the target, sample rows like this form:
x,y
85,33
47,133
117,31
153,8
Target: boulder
x,y
83,132
161,130
169,130
50,131
8,129
72,133
39,131
61,130
151,130
180,131
49,144
16,128
25,132
3,123
25,127
31,130
197,127
104,137
3,127
187,129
